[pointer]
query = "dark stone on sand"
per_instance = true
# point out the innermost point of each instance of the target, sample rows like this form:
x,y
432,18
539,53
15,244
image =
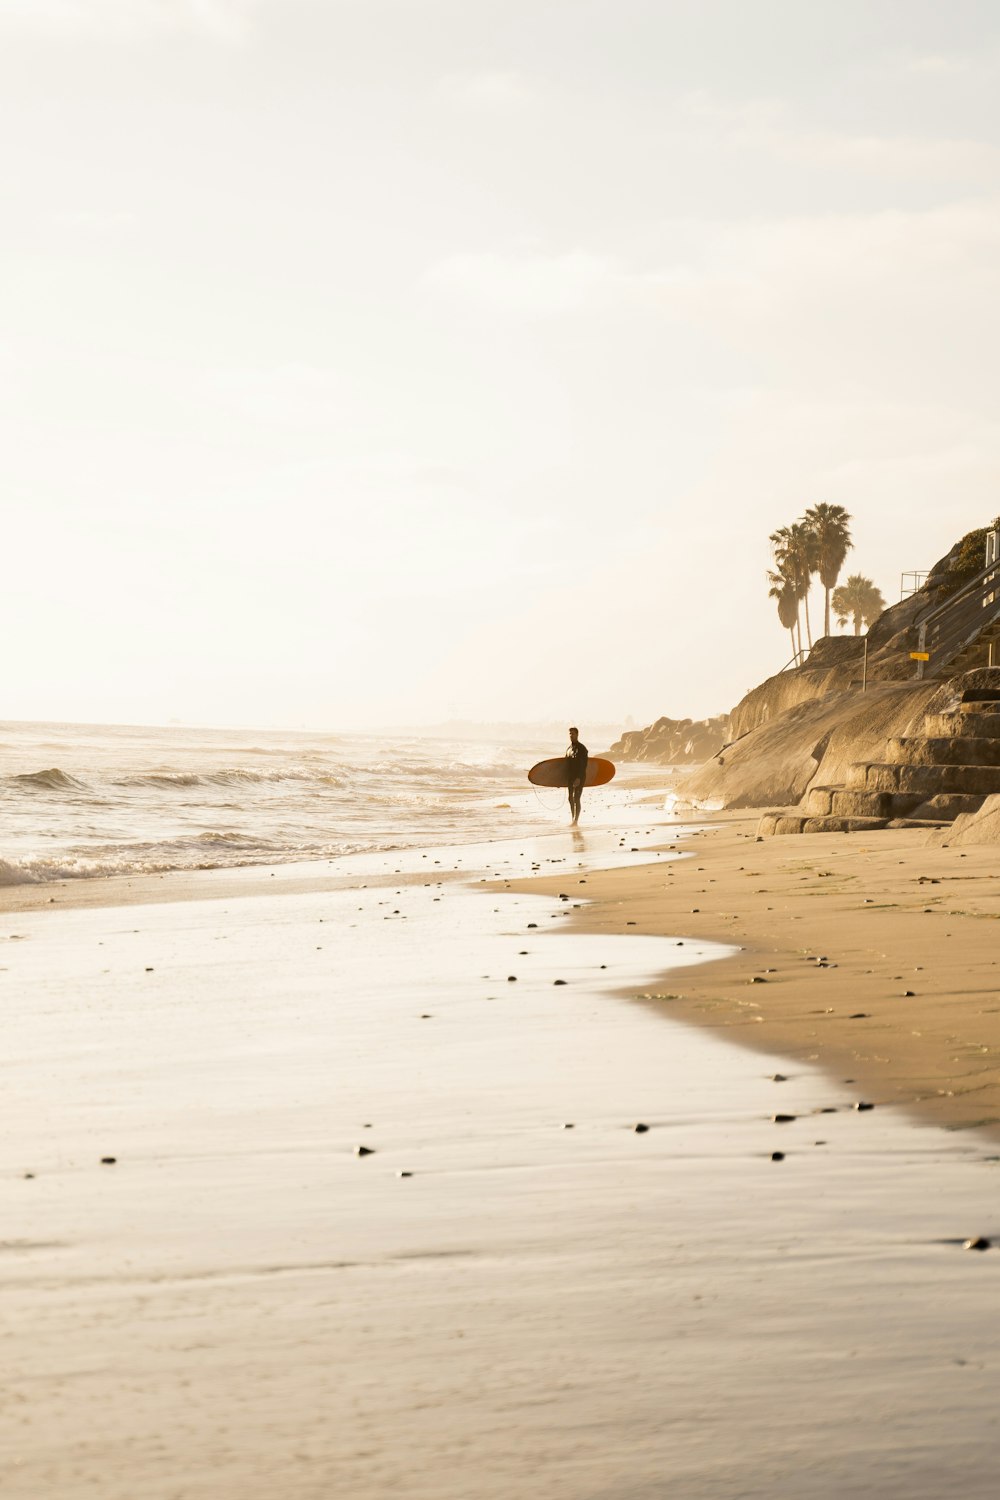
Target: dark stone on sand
x,y
568,1125
511,978
859,1015
532,924
777,1155
783,1119
108,1161
863,1104
695,910
909,994
558,981
364,1150
404,1174
29,1176
640,1128
980,1242
778,1078
148,969
758,979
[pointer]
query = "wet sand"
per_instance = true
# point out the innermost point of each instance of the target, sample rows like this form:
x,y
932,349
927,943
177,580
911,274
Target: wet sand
x,y
515,1291
877,958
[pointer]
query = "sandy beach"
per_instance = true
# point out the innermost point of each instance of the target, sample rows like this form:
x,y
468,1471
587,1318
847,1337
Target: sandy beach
x,y
515,1289
873,956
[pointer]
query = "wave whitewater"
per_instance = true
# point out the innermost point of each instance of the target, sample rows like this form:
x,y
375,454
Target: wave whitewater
x,y
114,801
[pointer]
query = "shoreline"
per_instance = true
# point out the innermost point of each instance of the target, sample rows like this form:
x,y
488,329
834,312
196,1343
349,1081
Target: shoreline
x,y
340,1183
831,968
834,968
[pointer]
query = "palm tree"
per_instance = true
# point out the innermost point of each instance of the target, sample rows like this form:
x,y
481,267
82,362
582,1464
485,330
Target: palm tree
x,y
796,558
860,599
783,590
831,528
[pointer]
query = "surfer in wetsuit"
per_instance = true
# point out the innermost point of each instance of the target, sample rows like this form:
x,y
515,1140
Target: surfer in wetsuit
x,y
576,763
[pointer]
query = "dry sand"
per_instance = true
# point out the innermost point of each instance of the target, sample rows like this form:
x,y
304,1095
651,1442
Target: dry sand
x,y
241,1306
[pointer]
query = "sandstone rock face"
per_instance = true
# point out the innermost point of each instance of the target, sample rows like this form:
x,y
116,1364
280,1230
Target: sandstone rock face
x,y
673,742
812,724
812,743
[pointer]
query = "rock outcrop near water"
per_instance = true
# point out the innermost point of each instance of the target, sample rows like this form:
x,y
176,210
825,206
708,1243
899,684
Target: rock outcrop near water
x,y
673,742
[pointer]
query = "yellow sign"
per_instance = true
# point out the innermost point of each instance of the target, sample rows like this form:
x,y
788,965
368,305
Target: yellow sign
x,y
920,656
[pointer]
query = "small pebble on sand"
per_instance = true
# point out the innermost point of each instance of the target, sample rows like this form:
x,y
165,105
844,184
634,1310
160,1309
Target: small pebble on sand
x,y
980,1242
640,1128
108,1161
364,1150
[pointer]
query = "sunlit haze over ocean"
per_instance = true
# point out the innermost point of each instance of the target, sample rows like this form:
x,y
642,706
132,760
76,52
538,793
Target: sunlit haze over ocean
x,y
408,360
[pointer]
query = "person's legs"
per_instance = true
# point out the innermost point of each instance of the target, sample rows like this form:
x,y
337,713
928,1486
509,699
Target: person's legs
x,y
575,791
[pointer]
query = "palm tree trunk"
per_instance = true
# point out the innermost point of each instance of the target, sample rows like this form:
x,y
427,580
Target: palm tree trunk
x,y
826,611
795,654
809,635
857,624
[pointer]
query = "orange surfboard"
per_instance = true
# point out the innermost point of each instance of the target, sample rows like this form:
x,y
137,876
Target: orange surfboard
x,y
556,772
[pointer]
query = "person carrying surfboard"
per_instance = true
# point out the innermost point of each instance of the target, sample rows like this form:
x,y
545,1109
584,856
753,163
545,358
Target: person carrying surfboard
x,y
576,766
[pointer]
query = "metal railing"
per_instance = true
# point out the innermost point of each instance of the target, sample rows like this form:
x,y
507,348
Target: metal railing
x,y
946,629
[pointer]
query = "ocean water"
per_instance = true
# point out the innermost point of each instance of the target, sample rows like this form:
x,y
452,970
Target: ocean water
x,y
92,800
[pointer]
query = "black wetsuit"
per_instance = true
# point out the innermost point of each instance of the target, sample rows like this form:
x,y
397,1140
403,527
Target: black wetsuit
x,y
576,757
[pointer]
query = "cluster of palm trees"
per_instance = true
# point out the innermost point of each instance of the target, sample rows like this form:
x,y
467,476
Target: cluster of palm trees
x,y
818,544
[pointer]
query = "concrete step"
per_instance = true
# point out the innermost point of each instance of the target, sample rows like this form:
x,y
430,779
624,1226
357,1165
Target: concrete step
x,y
966,750
849,803
925,781
818,801
790,821
844,825
967,723
777,823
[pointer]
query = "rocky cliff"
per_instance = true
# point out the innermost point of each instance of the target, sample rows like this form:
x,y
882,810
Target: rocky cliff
x,y
809,724
673,742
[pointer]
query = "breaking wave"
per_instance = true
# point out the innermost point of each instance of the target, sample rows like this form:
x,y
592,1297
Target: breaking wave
x,y
52,780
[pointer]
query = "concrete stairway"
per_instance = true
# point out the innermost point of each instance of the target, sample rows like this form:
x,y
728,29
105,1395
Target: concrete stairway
x,y
925,781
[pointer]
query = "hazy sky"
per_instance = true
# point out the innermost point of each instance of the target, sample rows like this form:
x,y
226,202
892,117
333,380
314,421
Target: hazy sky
x,y
391,360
